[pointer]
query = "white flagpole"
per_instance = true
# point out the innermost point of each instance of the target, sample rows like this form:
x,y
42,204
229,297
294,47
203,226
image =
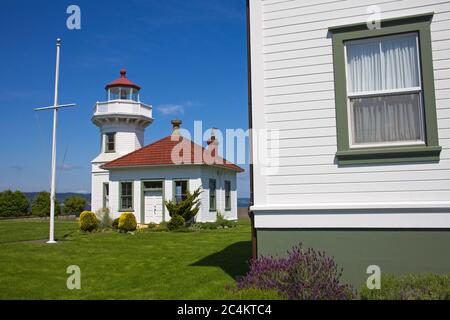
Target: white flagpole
x,y
55,108
55,118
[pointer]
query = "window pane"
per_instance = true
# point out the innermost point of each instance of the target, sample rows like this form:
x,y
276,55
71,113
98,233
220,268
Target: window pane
x,y
212,194
153,185
384,63
401,69
110,142
181,190
227,195
364,67
387,119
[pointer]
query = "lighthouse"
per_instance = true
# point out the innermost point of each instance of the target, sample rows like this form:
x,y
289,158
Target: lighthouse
x,y
121,120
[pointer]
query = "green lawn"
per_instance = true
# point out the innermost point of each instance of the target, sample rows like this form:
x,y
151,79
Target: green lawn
x,y
146,265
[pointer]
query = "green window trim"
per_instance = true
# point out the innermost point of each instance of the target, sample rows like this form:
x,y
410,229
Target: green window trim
x,y
131,209
212,195
390,154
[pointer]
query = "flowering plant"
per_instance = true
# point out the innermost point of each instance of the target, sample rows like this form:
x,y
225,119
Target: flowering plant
x,y
301,275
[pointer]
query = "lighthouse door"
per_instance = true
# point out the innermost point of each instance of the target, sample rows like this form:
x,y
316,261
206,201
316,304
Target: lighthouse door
x,y
153,206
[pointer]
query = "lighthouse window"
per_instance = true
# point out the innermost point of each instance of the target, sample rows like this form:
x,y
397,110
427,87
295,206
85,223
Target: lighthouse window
x,y
114,94
124,94
110,142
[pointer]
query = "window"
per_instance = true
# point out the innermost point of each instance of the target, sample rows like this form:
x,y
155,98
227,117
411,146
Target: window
x,y
212,195
384,92
227,195
126,196
181,189
110,142
106,195
153,185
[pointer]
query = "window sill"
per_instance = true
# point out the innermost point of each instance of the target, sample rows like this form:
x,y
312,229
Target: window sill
x,y
389,155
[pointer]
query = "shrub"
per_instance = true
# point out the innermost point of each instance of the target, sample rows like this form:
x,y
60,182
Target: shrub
x,y
74,205
302,275
224,223
127,222
177,222
152,225
205,226
187,208
41,205
162,227
13,204
104,217
115,223
410,287
88,221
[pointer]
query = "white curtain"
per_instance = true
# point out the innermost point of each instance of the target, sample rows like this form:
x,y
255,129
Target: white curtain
x,y
384,64
387,119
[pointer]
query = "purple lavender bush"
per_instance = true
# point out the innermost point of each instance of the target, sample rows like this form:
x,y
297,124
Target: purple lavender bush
x,y
302,275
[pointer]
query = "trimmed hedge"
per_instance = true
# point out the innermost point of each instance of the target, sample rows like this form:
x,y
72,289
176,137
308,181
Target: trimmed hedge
x,y
410,287
127,222
88,221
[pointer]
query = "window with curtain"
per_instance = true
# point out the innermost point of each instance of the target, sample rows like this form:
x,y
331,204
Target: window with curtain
x,y
126,196
384,91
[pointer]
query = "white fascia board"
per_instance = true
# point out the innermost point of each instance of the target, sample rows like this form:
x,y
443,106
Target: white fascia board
x,y
354,221
353,206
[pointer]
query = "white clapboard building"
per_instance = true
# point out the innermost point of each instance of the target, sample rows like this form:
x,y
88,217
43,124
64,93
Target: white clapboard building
x,y
130,177
357,96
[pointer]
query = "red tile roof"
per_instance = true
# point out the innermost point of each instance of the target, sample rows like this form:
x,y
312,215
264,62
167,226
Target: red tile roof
x,y
160,153
123,81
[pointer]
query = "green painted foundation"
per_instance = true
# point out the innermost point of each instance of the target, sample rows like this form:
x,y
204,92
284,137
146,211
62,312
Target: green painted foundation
x,y
397,252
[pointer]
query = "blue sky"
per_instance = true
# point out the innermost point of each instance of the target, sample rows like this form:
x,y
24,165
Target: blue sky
x,y
188,56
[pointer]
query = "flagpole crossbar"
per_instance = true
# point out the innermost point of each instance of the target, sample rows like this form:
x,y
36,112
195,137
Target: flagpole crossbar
x,y
57,107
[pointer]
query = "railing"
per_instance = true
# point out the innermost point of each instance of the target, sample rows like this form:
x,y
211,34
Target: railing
x,y
125,107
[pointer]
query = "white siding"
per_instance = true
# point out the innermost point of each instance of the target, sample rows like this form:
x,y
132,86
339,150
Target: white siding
x,y
293,91
220,176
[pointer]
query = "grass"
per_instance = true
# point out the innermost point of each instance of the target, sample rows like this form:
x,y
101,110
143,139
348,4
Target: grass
x,y
146,265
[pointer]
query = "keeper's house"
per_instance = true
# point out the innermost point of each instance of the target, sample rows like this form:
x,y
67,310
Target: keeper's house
x,y
130,177
362,112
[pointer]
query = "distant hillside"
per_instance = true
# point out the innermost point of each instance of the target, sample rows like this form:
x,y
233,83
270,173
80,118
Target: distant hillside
x,y
242,202
61,196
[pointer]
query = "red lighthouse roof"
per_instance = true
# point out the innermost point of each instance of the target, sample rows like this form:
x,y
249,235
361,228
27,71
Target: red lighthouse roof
x,y
123,81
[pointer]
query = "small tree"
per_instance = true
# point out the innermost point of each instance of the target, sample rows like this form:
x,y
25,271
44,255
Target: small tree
x,y
74,205
188,208
13,204
41,205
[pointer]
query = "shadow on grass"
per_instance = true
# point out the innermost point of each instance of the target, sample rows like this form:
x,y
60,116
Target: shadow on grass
x,y
233,259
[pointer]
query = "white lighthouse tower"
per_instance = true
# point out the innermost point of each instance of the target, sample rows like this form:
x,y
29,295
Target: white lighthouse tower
x,y
122,120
